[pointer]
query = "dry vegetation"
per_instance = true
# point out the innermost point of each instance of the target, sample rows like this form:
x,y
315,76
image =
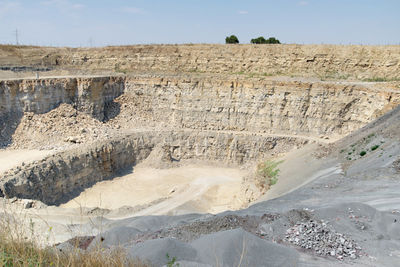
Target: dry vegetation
x,y
18,248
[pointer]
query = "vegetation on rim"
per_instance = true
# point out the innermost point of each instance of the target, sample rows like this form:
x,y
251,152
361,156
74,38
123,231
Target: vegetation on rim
x,y
262,40
231,40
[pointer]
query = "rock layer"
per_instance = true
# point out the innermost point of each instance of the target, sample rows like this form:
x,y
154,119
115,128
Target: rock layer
x,y
59,177
260,105
231,121
322,61
88,95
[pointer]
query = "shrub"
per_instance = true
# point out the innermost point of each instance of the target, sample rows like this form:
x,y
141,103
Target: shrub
x,y
268,172
262,40
362,153
374,147
231,40
273,40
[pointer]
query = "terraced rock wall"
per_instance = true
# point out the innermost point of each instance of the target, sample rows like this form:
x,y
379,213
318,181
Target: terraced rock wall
x,y
62,176
322,61
261,105
42,95
220,120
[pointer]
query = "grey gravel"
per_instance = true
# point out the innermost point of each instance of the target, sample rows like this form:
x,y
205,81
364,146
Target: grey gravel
x,y
320,237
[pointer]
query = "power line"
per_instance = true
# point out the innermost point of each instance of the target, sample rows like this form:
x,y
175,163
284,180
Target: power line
x,y
16,36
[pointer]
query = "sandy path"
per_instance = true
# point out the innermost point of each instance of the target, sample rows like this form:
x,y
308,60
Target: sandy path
x,y
203,189
13,158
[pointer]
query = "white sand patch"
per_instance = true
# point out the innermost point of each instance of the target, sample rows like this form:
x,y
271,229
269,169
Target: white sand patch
x,y
168,191
12,158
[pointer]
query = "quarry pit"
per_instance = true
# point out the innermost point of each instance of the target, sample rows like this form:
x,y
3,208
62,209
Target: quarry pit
x,y
131,132
168,122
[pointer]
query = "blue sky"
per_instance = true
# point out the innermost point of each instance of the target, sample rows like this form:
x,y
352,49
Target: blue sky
x,y
120,22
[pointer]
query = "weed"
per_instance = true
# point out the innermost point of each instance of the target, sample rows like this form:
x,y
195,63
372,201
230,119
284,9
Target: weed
x,y
362,153
374,147
268,172
341,151
118,69
239,72
256,74
349,153
382,79
171,261
333,75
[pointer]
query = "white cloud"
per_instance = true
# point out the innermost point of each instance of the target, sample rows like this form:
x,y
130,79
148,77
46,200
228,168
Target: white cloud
x,y
303,3
64,4
132,10
243,12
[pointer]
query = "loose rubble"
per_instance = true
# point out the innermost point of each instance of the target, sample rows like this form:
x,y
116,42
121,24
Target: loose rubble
x,y
323,240
61,127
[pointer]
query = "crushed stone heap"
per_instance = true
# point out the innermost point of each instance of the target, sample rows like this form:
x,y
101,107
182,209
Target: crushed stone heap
x,y
323,239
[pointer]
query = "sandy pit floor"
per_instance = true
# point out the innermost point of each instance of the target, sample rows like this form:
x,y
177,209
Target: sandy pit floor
x,y
180,190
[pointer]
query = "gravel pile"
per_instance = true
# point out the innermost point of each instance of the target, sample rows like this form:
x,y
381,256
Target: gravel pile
x,y
321,238
191,231
59,128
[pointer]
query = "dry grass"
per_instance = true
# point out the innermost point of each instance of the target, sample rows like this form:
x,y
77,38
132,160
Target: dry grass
x,y
19,246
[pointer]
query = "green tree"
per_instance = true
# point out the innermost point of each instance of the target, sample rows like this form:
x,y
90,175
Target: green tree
x,y
262,40
231,39
259,40
273,40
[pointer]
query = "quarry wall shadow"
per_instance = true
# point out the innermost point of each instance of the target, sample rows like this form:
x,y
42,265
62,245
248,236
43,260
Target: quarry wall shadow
x,y
7,129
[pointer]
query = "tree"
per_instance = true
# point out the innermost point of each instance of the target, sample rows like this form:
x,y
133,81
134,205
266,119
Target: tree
x,y
273,40
231,40
259,40
262,40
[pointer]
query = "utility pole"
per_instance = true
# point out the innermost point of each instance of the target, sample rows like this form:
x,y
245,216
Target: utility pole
x,y
16,36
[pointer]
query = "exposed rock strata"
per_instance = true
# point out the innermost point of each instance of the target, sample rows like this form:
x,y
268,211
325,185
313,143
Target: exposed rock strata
x,y
88,95
322,61
42,95
260,106
231,121
58,177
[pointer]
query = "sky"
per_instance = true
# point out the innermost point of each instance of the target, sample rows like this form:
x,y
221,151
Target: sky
x,y
121,22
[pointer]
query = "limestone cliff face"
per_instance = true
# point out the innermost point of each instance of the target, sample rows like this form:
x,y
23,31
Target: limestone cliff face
x,y
42,95
322,61
221,120
60,177
261,106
